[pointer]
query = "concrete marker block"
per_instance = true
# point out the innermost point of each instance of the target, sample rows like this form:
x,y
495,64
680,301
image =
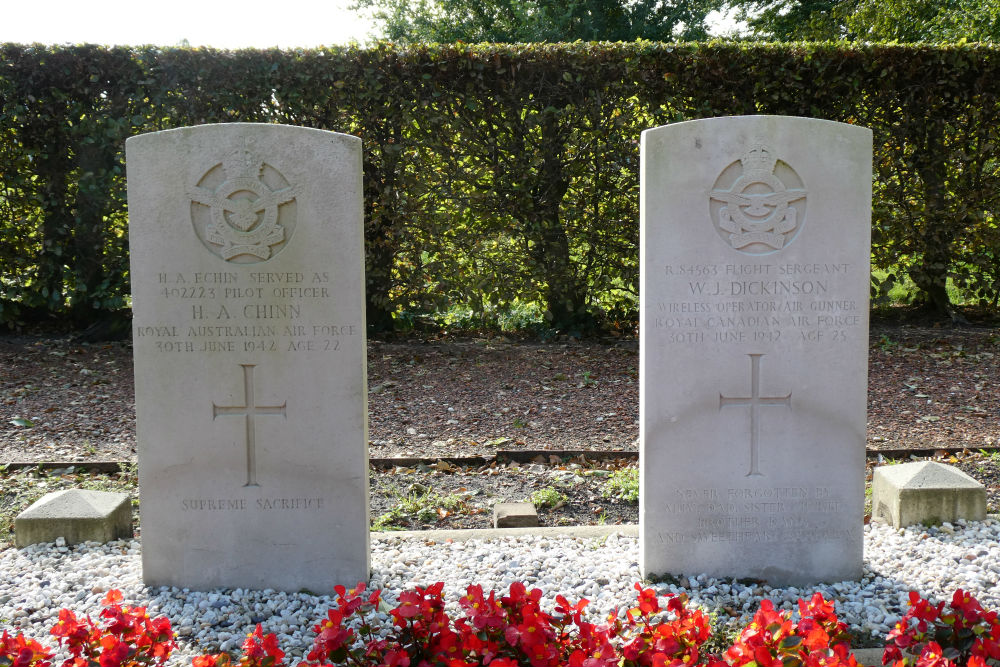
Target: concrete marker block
x,y
514,515
926,492
77,515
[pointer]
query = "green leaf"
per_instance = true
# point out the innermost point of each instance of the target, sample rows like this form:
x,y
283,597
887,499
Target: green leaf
x,y
21,421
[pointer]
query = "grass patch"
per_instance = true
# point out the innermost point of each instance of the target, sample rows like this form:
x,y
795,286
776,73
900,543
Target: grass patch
x,y
548,498
20,488
424,506
623,484
887,344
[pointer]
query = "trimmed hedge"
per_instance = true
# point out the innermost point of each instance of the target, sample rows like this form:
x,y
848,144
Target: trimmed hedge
x,y
496,177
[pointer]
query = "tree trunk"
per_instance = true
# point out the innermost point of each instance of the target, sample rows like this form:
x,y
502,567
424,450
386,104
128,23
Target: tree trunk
x,y
937,239
565,296
95,163
381,221
57,222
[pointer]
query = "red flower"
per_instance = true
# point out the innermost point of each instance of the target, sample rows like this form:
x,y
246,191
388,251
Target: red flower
x,y
933,656
987,647
26,657
816,639
113,597
633,649
969,611
577,658
738,654
70,628
966,630
575,611
23,652
447,644
410,603
113,652
118,622
331,636
350,601
375,598
502,662
515,632
542,654
397,658
261,649
648,603
529,633
484,612
210,660
662,660
474,645
603,656
817,607
762,656
922,609
520,597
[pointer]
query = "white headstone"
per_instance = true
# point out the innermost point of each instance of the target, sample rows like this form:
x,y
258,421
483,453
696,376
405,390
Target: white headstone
x,y
247,267
755,242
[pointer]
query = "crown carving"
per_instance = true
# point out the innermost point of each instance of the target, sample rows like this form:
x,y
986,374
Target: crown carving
x,y
241,163
758,161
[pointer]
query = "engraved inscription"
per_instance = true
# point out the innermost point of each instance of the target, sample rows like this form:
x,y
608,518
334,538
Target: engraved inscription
x,y
247,311
805,534
249,410
750,202
758,303
776,515
242,504
250,206
755,401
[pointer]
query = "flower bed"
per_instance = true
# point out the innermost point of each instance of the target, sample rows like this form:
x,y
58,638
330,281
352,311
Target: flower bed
x,y
512,630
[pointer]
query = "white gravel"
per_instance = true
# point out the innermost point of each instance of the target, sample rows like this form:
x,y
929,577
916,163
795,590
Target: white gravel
x,y
39,580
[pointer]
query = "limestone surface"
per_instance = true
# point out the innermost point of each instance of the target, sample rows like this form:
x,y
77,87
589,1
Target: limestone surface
x,y
76,515
754,261
926,492
247,268
514,515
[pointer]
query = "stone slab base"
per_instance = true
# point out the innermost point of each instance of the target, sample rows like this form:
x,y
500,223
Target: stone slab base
x,y
514,515
926,492
76,515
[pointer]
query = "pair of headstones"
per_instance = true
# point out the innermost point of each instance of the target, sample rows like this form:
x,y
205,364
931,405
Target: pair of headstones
x,y
247,264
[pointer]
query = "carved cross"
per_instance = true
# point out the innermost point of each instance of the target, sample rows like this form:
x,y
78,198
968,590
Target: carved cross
x,y
755,401
249,410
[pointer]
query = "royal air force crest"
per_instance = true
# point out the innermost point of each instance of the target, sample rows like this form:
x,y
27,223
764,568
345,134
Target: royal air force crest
x,y
758,204
243,209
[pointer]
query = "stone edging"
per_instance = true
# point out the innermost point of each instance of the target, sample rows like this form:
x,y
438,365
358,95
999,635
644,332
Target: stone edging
x,y
502,456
